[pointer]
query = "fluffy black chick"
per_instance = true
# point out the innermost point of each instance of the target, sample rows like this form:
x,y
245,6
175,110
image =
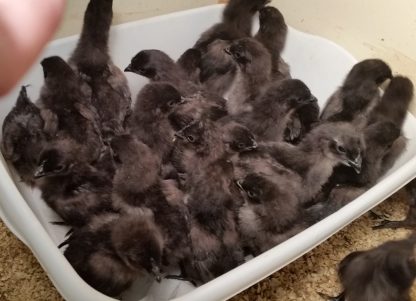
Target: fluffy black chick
x,y
272,34
212,201
304,118
154,103
237,137
345,184
273,110
111,95
395,102
323,148
67,111
218,69
358,94
190,62
158,66
385,273
253,74
271,210
114,249
196,107
23,137
75,190
236,23
137,184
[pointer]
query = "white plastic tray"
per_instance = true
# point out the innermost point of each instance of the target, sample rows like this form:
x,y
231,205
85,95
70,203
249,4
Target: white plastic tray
x,y
321,64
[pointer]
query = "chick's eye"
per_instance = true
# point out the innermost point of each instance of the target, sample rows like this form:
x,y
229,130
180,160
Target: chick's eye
x,y
341,149
237,55
251,194
241,145
171,103
190,138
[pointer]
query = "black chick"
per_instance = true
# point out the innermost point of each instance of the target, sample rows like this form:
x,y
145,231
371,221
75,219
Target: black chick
x,y
303,120
112,250
75,191
23,137
218,69
410,221
237,137
272,34
385,273
395,102
111,95
400,93
358,94
271,210
190,62
212,202
70,115
137,184
253,74
345,184
237,21
154,103
273,110
323,148
196,107
158,66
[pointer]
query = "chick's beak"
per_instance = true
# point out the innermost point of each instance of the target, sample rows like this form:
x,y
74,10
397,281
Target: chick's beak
x,y
253,146
156,272
239,183
40,172
179,135
356,164
313,99
129,68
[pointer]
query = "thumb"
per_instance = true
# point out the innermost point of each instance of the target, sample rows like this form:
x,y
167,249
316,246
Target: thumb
x,y
25,27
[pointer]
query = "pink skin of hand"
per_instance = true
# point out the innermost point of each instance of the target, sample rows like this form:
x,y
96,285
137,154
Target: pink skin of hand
x,y
25,28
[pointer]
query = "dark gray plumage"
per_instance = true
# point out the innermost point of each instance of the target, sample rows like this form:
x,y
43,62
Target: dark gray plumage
x,y
323,148
190,62
272,34
273,110
75,192
385,273
410,220
395,102
359,93
158,66
236,23
271,209
196,107
154,103
23,137
113,250
212,201
303,120
237,137
137,184
345,184
111,95
253,74
218,69
67,111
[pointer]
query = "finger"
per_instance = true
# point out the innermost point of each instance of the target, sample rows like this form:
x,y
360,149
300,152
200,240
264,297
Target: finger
x,y
25,27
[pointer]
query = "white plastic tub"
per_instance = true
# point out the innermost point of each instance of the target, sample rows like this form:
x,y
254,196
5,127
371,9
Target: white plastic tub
x,y
321,64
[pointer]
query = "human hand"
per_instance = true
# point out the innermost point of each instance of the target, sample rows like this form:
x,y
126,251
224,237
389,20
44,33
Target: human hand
x,y
25,27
